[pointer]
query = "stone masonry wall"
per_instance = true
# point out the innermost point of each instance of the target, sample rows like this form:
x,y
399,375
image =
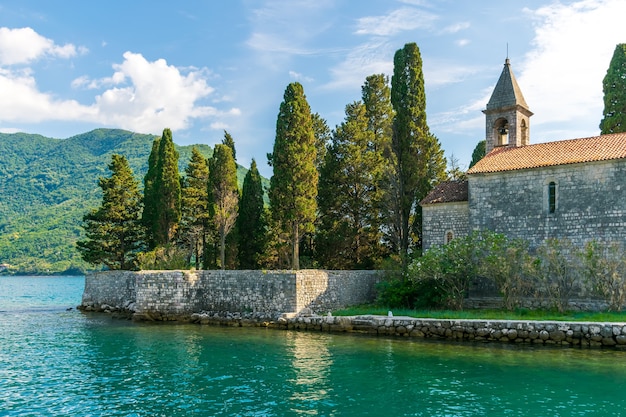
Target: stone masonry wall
x,y
165,295
439,219
590,203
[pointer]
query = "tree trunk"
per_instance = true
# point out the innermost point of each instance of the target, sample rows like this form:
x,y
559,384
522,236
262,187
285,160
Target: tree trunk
x,y
295,262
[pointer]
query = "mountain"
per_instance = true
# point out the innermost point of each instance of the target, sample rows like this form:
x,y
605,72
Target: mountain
x,y
47,185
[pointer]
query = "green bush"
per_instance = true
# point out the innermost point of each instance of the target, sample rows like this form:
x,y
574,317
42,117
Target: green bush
x,y
163,258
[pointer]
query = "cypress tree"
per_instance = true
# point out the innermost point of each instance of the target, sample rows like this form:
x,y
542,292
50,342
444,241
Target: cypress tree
x,y
419,159
194,206
114,234
150,196
293,186
167,191
224,195
479,152
614,88
230,142
251,221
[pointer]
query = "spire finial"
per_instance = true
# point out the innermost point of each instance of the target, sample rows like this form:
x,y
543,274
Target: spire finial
x,y
506,61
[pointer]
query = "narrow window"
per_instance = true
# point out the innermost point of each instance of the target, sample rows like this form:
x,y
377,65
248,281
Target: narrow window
x,y
449,237
551,197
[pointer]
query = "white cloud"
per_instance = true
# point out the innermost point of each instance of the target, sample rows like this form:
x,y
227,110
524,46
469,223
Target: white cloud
x,y
24,45
562,76
140,95
219,126
457,27
439,72
300,77
462,42
148,96
399,20
364,60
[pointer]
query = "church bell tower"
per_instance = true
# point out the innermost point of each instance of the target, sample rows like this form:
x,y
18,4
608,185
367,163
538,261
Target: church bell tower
x,y
507,114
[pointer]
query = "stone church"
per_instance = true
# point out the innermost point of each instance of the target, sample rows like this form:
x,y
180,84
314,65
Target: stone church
x,y
571,189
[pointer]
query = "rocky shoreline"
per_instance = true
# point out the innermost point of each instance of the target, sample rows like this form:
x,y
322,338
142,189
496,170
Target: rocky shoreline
x,y
583,334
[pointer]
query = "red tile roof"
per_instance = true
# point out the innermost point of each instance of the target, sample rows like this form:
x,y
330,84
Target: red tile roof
x,y
447,192
597,148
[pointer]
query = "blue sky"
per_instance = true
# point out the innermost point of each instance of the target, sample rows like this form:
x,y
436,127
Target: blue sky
x,y
199,67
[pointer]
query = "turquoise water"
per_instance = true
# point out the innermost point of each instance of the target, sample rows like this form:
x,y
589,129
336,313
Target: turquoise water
x,y
55,362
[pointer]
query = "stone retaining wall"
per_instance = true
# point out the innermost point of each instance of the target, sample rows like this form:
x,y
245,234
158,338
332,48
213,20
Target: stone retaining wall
x,y
175,295
584,334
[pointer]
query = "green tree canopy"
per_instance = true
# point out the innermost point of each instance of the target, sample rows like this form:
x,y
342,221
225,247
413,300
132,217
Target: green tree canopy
x,y
614,87
479,152
114,234
194,207
230,142
224,194
162,191
419,158
293,186
251,222
348,233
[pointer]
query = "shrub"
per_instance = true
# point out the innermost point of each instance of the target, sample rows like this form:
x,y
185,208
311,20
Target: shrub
x,y
163,258
604,270
559,271
508,264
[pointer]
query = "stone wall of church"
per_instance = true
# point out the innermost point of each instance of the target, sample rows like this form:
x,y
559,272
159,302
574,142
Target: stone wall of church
x,y
441,219
590,202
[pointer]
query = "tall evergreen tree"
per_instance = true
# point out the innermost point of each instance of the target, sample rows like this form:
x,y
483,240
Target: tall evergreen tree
x,y
150,196
224,195
167,189
479,152
376,96
323,135
293,186
348,233
230,142
419,158
251,220
194,207
614,88
114,234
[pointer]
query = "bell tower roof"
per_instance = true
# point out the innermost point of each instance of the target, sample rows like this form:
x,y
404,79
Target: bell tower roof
x,y
507,92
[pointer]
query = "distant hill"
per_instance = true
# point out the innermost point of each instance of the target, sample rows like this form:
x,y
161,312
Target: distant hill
x,y
47,185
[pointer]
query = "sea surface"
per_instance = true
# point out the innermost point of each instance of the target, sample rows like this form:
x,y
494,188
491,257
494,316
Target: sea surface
x,y
60,362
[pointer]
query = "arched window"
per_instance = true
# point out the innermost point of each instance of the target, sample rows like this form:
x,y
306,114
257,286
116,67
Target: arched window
x,y
524,131
551,197
449,236
502,132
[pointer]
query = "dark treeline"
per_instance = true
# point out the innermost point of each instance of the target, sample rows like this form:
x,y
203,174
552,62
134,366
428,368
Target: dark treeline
x,y
339,199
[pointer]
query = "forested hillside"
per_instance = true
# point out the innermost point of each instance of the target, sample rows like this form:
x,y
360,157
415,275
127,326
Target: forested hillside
x,y
47,185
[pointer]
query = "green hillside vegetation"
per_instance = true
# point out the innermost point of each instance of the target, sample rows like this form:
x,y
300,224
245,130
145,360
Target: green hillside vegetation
x,y
47,185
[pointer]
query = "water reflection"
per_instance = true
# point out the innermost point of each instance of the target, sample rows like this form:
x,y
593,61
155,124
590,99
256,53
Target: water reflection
x,y
311,362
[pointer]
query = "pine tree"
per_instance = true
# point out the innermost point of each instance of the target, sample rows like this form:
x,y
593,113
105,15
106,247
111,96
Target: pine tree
x,y
293,186
194,207
114,234
323,135
167,191
251,220
614,88
224,195
418,155
349,236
